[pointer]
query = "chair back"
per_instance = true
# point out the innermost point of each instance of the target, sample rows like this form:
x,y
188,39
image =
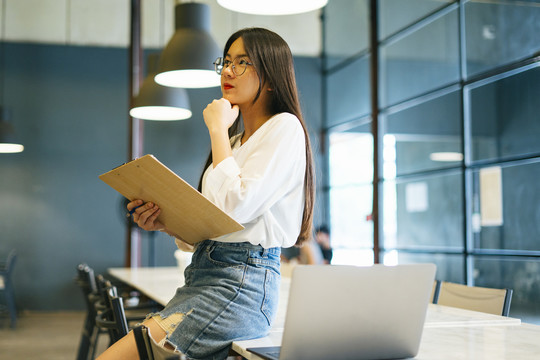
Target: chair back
x,y
488,300
6,286
112,316
149,349
90,333
87,283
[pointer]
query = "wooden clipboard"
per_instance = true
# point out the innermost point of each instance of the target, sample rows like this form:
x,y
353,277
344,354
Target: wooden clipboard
x,y
184,210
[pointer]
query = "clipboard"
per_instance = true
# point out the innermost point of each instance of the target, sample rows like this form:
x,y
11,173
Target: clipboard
x,y
184,210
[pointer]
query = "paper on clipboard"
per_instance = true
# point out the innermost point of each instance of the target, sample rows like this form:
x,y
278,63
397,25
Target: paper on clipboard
x,y
184,210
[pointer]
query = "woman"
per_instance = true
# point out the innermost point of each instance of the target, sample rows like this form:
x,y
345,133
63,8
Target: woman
x,y
263,178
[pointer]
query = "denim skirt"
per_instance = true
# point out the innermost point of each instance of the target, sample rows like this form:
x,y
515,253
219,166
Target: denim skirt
x,y
231,293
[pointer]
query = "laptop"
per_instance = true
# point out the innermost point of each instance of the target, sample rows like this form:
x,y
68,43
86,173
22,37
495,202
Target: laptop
x,y
351,312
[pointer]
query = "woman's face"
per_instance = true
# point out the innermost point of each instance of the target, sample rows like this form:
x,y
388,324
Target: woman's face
x,y
239,90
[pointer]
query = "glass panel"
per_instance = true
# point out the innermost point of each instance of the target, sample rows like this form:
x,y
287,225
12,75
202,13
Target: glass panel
x,y
410,67
348,92
350,208
450,267
346,30
351,193
500,32
504,116
351,156
394,15
423,137
506,214
424,213
521,275
347,256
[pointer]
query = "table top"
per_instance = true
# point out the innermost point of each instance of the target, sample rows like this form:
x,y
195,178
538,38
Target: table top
x,y
497,342
449,333
158,283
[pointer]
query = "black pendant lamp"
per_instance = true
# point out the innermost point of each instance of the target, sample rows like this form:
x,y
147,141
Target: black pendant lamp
x,y
187,60
157,102
8,141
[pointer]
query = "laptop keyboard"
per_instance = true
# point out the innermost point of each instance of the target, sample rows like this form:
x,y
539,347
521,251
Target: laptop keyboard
x,y
274,354
270,352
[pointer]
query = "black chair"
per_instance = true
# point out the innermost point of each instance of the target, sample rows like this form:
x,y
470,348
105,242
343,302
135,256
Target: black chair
x,y
6,286
135,313
90,333
94,289
149,350
111,316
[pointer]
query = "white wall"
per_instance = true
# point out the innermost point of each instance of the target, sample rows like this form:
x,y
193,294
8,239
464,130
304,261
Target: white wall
x,y
106,23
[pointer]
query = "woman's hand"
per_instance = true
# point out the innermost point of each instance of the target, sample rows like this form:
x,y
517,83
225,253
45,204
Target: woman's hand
x,y
219,115
145,215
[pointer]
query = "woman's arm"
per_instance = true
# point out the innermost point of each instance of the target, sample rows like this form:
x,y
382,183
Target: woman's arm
x,y
272,165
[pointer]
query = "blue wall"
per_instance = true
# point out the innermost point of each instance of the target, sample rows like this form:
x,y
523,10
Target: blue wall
x,y
69,108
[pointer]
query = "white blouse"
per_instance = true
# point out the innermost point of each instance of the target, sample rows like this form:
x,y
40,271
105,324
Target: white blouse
x,y
262,184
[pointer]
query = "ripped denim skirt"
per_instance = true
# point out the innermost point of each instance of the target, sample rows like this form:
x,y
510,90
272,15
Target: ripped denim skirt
x,y
231,293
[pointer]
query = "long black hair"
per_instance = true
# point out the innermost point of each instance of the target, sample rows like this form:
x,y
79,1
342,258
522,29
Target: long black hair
x,y
273,62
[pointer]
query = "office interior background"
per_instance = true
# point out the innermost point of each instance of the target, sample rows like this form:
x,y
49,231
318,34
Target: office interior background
x,y
456,118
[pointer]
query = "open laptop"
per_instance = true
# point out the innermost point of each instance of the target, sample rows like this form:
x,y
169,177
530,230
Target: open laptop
x,y
350,312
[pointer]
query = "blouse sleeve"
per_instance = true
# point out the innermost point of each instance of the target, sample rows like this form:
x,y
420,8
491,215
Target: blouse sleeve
x,y
274,166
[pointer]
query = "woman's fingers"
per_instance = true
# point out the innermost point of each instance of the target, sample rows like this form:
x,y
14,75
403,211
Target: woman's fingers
x,y
148,217
134,204
145,215
220,114
142,213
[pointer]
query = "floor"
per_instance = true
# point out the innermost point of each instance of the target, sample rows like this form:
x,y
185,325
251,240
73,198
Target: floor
x,y
43,336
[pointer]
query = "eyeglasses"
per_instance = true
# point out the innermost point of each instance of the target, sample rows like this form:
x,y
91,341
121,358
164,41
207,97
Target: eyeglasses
x,y
238,65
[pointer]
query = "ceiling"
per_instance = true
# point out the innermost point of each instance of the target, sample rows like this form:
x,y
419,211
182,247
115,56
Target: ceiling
x,y
106,23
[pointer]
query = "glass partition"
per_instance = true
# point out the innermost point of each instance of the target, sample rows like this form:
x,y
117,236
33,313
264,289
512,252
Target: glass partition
x,y
459,155
346,30
500,32
395,15
348,92
409,68
450,267
424,212
426,136
504,115
505,207
351,194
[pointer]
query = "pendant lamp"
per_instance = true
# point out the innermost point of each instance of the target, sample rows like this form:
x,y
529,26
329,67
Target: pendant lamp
x,y
272,7
187,60
8,142
157,102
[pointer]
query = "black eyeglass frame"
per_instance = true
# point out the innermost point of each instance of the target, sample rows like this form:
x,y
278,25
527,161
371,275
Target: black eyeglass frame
x,y
219,66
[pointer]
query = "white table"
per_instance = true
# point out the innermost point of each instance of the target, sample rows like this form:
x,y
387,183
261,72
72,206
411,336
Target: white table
x,y
449,333
158,283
